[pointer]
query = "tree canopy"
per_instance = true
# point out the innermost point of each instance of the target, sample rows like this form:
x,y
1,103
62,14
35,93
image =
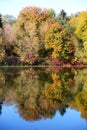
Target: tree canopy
x,y
40,33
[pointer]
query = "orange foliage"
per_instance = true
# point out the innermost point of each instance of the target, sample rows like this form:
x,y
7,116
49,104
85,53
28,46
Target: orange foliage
x,y
53,90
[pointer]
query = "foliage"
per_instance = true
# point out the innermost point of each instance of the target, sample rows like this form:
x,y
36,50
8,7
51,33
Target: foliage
x,y
28,31
74,22
29,89
62,17
59,39
38,36
78,24
27,41
9,34
82,103
8,19
81,30
2,51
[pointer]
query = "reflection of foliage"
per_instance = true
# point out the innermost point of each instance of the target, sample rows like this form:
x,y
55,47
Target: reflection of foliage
x,y
2,85
81,100
39,93
62,83
11,76
60,89
30,98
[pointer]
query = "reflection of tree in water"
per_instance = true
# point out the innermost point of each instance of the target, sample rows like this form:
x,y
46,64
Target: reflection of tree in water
x,y
31,102
11,74
62,109
60,92
80,99
41,96
0,108
38,93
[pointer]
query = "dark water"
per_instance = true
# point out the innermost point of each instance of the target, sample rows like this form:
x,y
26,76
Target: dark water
x,y
43,99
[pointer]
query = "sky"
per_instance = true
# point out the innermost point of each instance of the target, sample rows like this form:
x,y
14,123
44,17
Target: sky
x,y
13,7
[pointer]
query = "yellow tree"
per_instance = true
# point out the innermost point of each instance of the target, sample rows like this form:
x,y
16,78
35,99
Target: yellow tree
x,y
81,30
81,34
73,22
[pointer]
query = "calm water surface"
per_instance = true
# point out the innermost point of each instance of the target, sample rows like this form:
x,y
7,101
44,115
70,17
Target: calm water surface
x,y
43,99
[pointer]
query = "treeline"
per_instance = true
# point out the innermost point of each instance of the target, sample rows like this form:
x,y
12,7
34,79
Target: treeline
x,y
40,36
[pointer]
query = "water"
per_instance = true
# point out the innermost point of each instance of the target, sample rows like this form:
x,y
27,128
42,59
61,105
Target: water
x,y
43,99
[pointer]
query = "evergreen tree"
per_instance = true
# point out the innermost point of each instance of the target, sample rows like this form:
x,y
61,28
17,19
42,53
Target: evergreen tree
x,y
1,21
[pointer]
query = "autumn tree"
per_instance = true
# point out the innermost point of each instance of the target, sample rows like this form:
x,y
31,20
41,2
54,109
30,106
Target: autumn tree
x,y
8,47
58,38
27,41
81,30
28,33
2,52
73,22
9,39
79,23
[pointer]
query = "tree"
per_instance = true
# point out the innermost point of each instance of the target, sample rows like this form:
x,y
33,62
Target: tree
x,y
81,29
1,21
10,47
2,52
8,19
79,23
73,22
28,31
52,13
59,39
27,41
62,17
7,41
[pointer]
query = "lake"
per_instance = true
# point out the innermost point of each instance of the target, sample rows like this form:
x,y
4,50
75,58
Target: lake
x,y
53,98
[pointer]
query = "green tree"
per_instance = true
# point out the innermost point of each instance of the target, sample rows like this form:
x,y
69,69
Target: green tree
x,y
62,17
8,19
1,21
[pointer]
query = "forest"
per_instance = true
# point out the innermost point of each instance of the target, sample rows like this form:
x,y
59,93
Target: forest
x,y
42,37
